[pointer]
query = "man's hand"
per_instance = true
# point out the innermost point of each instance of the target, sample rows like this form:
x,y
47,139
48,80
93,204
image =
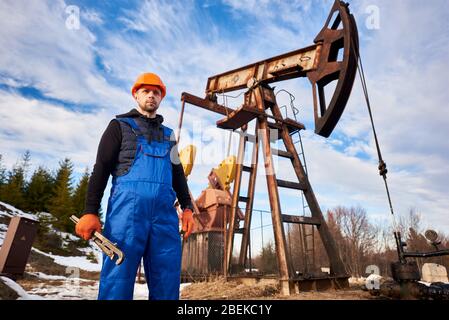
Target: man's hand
x,y
88,224
187,222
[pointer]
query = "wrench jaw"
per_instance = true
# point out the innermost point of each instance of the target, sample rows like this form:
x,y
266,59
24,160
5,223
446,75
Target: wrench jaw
x,y
120,257
109,248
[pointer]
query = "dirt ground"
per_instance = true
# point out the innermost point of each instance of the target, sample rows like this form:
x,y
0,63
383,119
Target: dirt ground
x,y
216,289
219,289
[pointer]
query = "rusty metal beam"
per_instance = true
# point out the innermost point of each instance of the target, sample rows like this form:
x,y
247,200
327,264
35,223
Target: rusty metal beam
x,y
275,206
286,66
291,185
329,69
284,262
234,205
300,220
250,195
239,117
321,63
205,104
336,264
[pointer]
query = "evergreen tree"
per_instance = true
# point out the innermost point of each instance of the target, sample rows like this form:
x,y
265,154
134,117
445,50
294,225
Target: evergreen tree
x,y
79,197
13,190
26,163
61,202
39,191
3,177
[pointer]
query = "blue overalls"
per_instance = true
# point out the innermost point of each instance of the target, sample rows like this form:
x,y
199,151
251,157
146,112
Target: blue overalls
x,y
143,222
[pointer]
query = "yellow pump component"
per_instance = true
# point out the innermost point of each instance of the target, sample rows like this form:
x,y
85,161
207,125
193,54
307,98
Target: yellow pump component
x,y
226,171
187,158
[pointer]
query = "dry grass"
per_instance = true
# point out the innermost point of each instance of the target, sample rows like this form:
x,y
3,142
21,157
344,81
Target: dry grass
x,y
219,289
345,294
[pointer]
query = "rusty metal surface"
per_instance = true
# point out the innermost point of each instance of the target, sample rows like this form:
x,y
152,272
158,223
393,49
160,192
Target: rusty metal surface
x,y
279,236
205,104
337,266
234,205
216,184
330,69
300,220
293,125
249,205
318,62
283,67
214,208
239,117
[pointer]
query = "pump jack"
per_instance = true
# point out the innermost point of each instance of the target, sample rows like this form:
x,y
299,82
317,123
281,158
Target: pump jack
x,y
332,57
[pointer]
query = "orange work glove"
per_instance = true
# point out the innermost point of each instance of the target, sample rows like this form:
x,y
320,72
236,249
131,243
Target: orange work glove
x,y
187,222
88,224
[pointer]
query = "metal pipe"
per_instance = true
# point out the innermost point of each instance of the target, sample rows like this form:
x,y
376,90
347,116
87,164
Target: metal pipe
x,y
426,254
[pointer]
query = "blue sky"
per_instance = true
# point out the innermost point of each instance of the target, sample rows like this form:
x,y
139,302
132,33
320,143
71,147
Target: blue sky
x,y
59,87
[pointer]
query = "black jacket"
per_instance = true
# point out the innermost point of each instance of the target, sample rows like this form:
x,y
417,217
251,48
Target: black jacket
x,y
107,155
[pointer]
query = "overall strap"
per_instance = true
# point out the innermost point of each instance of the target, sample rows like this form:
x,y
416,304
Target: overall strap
x,y
134,127
168,135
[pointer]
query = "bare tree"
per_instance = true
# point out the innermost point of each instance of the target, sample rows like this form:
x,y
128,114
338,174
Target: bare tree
x,y
361,242
359,237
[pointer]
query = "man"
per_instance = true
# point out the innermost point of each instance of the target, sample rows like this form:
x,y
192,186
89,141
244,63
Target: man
x,y
136,149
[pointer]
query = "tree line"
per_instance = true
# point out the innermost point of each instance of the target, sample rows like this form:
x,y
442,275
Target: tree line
x,y
45,191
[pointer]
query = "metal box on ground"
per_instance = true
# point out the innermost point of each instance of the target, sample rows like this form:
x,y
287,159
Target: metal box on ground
x,y
16,247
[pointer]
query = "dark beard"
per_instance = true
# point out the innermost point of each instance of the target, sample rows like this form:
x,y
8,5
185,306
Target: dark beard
x,y
150,108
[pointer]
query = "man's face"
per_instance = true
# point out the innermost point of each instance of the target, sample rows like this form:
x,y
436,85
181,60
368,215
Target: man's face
x,y
148,98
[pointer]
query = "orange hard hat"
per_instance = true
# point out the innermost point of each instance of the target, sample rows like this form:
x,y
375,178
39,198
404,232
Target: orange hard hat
x,y
149,79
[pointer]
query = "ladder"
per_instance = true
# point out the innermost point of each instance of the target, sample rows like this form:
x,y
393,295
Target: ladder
x,y
297,141
308,238
306,234
309,249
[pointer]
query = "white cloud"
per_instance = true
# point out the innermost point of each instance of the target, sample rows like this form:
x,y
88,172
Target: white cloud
x,y
405,64
43,53
50,132
92,17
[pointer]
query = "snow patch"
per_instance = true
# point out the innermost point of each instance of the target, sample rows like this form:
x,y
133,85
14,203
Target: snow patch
x,y
141,290
77,289
78,262
357,281
72,289
15,212
184,285
374,278
23,295
45,276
